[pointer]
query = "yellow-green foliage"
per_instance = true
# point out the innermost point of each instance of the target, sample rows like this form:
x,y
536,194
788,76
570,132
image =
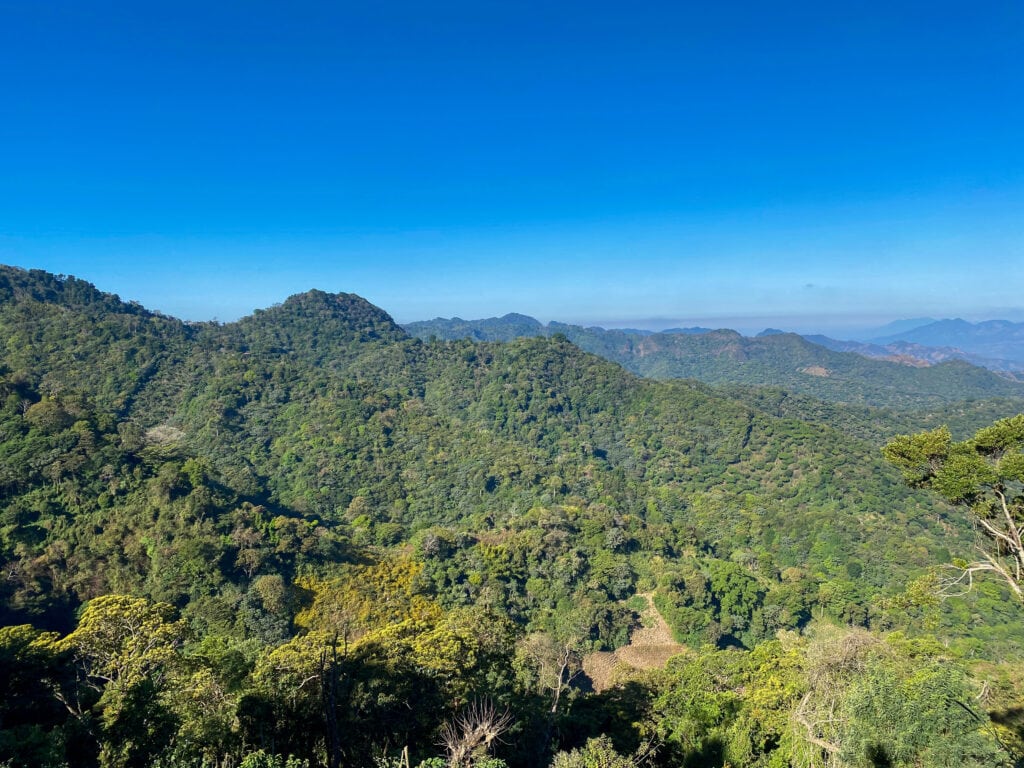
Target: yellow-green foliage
x,y
124,640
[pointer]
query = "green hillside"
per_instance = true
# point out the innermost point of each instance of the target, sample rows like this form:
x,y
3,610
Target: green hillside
x,y
318,520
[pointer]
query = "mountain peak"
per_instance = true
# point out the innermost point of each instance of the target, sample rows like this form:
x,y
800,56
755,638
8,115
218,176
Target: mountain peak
x,y
324,305
519,318
321,321
694,330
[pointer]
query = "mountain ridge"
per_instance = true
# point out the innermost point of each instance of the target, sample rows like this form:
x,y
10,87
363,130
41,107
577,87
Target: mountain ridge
x,y
780,359
996,339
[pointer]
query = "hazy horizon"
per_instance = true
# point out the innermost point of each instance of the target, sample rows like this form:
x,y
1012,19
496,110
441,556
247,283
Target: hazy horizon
x,y
851,326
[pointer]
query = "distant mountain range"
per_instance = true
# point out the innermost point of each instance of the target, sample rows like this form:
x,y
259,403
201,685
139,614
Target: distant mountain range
x,y
896,327
994,344
919,355
1000,340
821,368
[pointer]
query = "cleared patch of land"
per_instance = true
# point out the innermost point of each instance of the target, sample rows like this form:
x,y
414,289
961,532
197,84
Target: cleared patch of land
x,y
816,370
650,647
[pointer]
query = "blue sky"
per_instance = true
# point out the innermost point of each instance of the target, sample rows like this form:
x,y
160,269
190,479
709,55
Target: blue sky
x,y
804,165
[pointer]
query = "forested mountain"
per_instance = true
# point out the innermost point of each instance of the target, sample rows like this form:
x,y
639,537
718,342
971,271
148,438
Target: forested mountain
x,y
504,328
311,534
778,359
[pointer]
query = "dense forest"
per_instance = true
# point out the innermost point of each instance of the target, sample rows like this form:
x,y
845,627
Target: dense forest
x,y
309,538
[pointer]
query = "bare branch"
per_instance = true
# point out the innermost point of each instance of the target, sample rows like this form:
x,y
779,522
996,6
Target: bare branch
x,y
473,732
800,715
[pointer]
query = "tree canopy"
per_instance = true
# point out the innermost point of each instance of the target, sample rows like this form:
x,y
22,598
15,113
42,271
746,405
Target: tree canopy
x,y
307,539
983,475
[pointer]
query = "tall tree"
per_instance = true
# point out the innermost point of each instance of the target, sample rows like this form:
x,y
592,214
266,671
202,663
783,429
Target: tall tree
x,y
983,475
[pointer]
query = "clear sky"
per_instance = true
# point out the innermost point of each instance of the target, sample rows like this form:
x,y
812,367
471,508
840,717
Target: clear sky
x,y
798,164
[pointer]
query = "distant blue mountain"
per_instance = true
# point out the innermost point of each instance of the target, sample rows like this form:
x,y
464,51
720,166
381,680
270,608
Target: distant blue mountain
x,y
836,345
909,353
693,331
895,328
997,339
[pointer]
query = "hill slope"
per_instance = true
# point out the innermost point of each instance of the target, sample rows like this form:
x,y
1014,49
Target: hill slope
x,y
324,417
464,517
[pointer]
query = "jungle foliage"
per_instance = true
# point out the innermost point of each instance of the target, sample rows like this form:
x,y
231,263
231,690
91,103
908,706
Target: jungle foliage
x,y
307,538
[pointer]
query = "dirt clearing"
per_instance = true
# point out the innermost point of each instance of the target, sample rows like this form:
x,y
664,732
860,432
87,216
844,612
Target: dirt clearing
x,y
650,647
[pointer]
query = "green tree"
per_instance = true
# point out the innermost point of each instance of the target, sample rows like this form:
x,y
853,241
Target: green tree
x,y
597,753
31,717
894,701
984,475
126,647
908,712
123,640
